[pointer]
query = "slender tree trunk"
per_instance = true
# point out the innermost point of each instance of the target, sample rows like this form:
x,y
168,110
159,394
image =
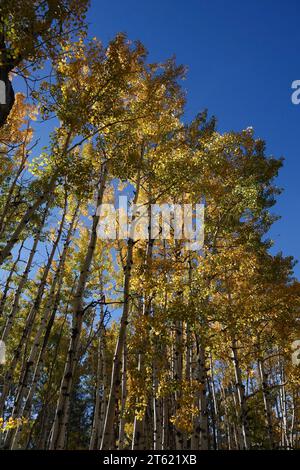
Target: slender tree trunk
x,y
107,438
283,406
266,399
227,424
139,425
200,433
93,445
28,326
157,410
9,279
29,383
40,200
123,399
215,404
7,204
240,388
178,373
22,386
23,280
203,399
6,250
59,429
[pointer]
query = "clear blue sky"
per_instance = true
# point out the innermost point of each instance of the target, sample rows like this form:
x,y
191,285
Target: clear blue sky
x,y
242,57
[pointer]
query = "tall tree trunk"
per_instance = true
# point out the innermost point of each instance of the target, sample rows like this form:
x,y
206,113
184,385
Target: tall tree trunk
x,y
22,386
9,279
28,384
178,375
59,429
157,411
123,399
40,200
99,392
240,388
8,201
24,277
29,325
108,434
263,378
107,438
139,425
200,433
215,409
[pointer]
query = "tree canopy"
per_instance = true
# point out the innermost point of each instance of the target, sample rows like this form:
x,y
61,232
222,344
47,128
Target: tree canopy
x,y
133,343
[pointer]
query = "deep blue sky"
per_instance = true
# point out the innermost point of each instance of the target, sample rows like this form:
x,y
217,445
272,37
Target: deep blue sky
x,y
242,57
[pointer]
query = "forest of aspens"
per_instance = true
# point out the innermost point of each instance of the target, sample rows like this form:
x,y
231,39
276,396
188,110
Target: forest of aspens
x,y
125,343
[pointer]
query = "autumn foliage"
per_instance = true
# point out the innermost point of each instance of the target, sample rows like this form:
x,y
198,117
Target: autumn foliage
x,y
120,344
